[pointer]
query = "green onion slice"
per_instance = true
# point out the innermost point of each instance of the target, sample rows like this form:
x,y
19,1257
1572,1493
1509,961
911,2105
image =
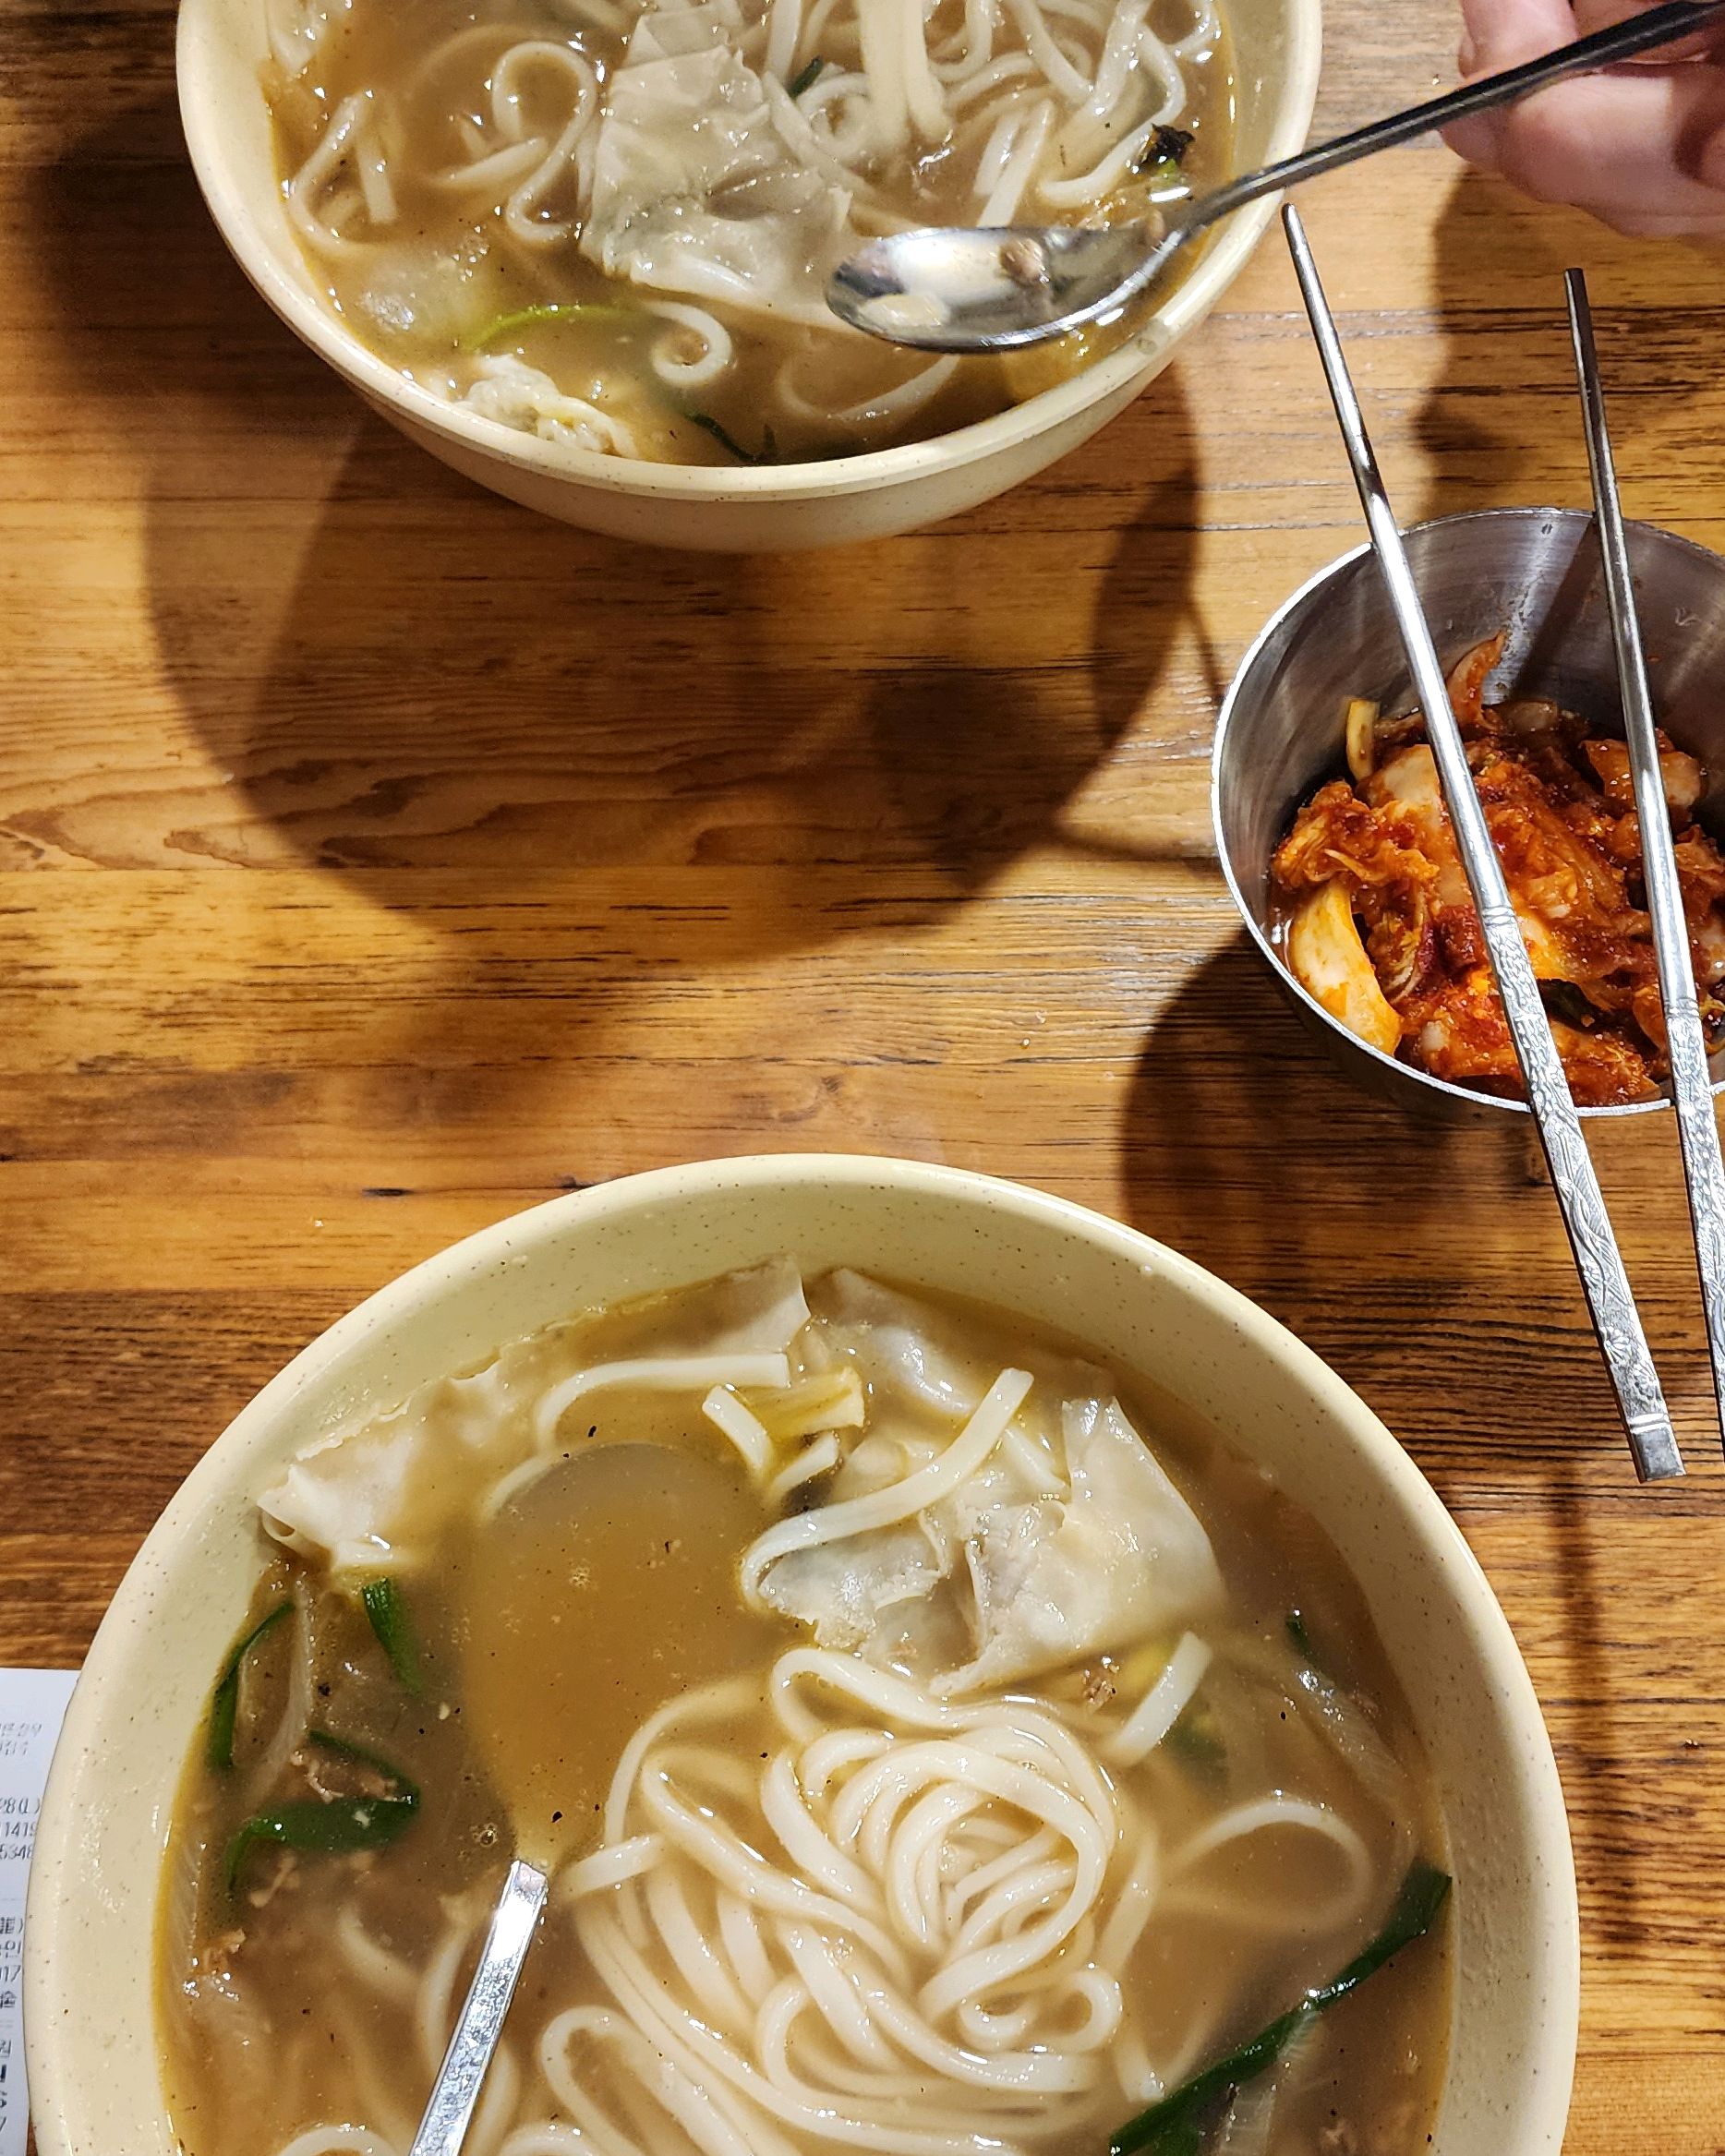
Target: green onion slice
x,y
1176,2126
331,1828
386,1607
766,454
225,1699
535,318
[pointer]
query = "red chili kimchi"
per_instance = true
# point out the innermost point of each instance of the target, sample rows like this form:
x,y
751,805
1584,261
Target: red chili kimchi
x,y
1381,928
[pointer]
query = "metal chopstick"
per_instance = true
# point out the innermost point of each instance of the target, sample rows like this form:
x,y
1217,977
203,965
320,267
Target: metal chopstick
x,y
1704,1169
1616,1321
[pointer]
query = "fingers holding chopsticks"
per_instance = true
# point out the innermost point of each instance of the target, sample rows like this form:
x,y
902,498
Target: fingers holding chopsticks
x,y
1642,148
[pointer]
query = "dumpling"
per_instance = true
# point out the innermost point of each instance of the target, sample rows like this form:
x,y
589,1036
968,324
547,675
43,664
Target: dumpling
x,y
361,1499
1022,1570
356,1499
517,395
843,1591
694,189
915,1352
904,1348
1059,1579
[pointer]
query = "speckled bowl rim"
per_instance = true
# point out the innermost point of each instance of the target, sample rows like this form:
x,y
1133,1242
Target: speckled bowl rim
x,y
54,1909
1224,257
1309,596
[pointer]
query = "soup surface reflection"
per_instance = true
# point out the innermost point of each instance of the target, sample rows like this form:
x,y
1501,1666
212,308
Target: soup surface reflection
x,y
924,1763
610,224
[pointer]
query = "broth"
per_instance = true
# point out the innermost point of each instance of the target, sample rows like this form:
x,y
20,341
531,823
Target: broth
x,y
304,2010
610,224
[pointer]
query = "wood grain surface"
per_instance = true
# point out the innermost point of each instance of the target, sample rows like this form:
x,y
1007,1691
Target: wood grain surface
x,y
376,860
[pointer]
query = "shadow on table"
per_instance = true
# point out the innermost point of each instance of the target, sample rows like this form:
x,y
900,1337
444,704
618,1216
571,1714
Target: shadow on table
x,y
977,794
1337,1212
441,679
1502,424
1238,1119
1479,451
1236,1115
395,671
1607,1784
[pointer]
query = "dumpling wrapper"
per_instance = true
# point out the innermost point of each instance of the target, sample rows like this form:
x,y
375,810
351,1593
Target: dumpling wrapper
x,y
904,1348
844,1591
1058,1580
1064,1546
363,1498
666,34
517,395
694,189
916,1353
1045,1576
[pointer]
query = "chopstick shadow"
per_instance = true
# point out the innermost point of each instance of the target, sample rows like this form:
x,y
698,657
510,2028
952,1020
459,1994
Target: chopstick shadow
x,y
389,669
1237,1114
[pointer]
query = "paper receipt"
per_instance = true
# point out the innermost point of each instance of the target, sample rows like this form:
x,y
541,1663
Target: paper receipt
x,y
32,1704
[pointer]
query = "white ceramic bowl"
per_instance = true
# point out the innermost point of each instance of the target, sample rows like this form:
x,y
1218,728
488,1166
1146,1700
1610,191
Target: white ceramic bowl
x,y
89,2013
222,46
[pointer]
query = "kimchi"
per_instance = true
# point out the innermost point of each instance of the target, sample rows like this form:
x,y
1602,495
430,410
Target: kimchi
x,y
1379,927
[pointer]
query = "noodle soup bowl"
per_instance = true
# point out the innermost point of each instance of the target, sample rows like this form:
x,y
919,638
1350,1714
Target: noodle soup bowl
x,y
1533,573
93,2059
223,44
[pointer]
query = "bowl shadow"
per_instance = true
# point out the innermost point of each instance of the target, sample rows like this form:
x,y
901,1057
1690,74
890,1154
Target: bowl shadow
x,y
1236,1112
1500,423
387,669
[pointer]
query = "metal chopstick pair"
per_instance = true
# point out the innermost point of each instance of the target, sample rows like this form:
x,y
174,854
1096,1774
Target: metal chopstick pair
x,y
1611,1302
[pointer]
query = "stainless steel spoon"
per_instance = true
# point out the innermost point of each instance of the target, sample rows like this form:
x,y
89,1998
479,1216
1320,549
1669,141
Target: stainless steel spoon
x,y
958,288
643,1529
455,2093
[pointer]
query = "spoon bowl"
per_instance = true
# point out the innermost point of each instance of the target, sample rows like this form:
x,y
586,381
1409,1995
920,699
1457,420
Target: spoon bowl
x,y
604,1523
958,288
627,1525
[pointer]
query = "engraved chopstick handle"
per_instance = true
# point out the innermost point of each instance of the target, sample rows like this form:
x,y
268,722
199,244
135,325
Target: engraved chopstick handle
x,y
1704,1173
1692,1090
1611,1303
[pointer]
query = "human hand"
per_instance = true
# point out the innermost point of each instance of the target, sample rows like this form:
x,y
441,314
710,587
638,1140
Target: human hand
x,y
1643,147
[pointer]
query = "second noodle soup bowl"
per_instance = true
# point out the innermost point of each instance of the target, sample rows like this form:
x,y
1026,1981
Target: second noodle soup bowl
x,y
1535,574
222,45
95,2078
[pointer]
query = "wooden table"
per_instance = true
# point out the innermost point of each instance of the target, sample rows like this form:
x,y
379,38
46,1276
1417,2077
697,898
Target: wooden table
x,y
376,860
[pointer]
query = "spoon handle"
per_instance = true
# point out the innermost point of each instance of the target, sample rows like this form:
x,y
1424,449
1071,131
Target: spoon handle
x,y
457,2089
1659,26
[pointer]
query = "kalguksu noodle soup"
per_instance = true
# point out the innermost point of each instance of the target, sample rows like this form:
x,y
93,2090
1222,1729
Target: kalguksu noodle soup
x,y
609,222
925,1765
